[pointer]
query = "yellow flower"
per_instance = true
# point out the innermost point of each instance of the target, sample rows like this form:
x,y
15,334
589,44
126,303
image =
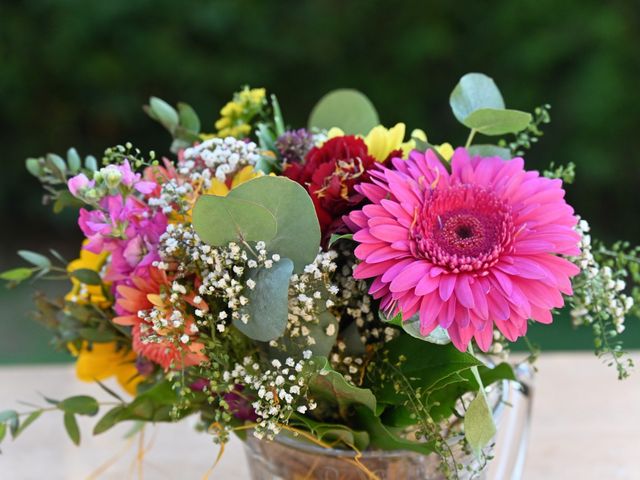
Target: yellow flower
x,y
81,293
236,116
104,361
381,141
220,188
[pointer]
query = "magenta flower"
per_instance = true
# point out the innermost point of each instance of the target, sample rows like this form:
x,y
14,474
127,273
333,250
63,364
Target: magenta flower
x,y
128,229
466,250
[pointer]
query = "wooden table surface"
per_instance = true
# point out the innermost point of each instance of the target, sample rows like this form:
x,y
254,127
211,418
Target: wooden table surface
x,y
586,425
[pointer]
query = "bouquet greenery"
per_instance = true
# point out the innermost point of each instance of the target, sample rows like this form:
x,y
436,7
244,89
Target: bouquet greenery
x,y
332,282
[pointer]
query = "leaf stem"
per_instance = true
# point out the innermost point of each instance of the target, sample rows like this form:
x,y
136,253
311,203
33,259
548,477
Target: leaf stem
x,y
472,134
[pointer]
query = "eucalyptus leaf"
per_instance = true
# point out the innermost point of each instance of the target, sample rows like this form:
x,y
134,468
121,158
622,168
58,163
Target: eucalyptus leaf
x,y
490,151
86,276
3,431
479,427
188,117
33,166
490,121
17,274
268,305
164,113
298,230
57,162
473,92
73,160
347,109
32,417
71,426
80,404
90,163
220,220
35,258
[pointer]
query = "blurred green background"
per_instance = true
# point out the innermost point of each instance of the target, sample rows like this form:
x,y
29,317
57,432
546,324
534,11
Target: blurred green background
x,y
76,72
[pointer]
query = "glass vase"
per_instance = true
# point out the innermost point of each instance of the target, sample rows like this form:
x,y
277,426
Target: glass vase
x,y
289,458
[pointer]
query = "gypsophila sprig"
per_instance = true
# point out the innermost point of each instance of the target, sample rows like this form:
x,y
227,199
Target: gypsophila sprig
x,y
600,297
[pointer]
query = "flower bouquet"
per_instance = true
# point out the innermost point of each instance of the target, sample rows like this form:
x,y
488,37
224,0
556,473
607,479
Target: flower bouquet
x,y
343,288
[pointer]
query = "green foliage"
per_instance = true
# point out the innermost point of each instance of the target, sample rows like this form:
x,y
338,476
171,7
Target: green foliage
x,y
347,109
333,433
87,276
183,124
71,426
80,405
298,230
331,387
490,151
271,209
412,327
220,220
477,104
479,428
268,306
473,92
489,121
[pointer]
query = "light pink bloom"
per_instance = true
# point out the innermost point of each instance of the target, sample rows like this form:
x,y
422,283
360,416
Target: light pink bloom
x,y
468,249
78,183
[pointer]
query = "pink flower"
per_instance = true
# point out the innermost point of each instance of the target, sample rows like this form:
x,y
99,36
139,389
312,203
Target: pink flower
x,y
128,229
78,183
131,179
466,250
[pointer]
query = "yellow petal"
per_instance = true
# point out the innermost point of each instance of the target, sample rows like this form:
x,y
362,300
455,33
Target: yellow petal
x,y
419,134
218,188
445,150
335,132
396,135
128,376
244,175
97,363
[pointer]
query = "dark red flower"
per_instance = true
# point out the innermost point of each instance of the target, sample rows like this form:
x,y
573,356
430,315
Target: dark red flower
x,y
330,174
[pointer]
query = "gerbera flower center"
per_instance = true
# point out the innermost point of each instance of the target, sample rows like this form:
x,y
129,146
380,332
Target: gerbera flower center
x,y
462,228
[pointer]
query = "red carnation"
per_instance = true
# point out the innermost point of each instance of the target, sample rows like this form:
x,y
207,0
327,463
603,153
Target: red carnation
x,y
330,174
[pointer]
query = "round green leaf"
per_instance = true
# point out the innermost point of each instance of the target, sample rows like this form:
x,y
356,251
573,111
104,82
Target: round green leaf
x,y
90,163
298,230
490,121
220,220
268,306
473,92
347,109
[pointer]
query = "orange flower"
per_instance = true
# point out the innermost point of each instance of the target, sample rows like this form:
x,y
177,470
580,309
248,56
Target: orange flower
x,y
164,345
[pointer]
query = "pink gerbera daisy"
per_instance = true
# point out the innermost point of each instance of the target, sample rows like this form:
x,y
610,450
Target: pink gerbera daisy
x,y
468,249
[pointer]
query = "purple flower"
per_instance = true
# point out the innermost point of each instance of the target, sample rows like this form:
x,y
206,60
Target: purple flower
x,y
240,405
294,145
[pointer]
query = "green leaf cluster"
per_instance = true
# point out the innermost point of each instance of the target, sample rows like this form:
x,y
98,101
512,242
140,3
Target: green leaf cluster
x,y
182,123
